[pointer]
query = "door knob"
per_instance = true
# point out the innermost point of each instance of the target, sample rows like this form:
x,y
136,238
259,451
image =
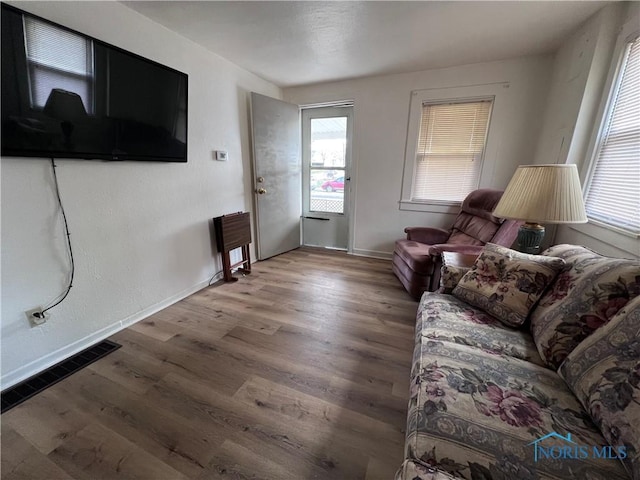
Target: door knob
x,y
262,191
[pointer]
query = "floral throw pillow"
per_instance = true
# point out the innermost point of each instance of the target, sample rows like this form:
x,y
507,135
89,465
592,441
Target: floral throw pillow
x,y
588,292
604,373
450,276
506,283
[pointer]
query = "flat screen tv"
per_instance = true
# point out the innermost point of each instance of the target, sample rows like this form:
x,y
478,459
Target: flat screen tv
x,y
68,95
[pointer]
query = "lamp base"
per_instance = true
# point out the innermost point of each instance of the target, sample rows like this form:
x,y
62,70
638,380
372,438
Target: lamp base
x,y
67,130
530,237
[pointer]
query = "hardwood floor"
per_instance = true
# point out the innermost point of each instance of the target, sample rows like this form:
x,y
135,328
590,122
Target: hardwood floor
x,y
297,371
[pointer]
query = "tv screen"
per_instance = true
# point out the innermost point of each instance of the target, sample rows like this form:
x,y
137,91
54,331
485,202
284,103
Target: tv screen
x,y
67,95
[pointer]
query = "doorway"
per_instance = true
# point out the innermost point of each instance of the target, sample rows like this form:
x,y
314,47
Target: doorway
x,y
326,176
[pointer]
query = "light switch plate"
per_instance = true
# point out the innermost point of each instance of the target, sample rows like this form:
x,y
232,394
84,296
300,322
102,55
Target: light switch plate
x,y
221,155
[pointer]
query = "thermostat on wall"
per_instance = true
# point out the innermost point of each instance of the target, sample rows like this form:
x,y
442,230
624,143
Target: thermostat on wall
x,y
221,155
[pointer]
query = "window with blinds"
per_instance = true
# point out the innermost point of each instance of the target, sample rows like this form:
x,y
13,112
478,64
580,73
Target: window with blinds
x,y
613,197
450,150
57,58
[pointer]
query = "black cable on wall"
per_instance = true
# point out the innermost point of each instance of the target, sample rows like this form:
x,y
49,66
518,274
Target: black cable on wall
x,y
66,229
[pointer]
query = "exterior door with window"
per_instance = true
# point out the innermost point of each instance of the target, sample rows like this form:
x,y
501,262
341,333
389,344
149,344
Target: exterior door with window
x,y
326,159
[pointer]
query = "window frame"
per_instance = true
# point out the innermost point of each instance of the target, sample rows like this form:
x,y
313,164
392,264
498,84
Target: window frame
x,y
494,92
618,237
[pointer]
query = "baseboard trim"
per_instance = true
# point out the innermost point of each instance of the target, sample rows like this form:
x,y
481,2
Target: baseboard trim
x,y
359,252
26,371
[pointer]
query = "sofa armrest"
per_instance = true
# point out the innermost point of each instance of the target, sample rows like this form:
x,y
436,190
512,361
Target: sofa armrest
x,y
456,248
427,235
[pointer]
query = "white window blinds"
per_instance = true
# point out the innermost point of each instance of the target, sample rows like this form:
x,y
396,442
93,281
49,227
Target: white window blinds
x,y
613,197
450,150
57,58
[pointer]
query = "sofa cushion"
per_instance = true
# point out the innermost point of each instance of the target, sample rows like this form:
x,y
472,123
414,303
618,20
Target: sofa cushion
x,y
478,415
586,295
604,373
447,318
416,470
506,283
450,276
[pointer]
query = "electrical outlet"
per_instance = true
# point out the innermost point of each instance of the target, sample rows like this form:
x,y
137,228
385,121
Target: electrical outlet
x,y
36,317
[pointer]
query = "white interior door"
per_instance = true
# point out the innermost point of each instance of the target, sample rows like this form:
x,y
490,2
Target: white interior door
x,y
277,173
326,158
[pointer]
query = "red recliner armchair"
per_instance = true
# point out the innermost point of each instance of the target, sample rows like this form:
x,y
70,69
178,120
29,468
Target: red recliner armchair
x,y
417,259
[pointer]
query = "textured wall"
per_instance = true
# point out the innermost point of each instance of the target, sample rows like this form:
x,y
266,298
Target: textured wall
x,y
381,113
573,114
140,231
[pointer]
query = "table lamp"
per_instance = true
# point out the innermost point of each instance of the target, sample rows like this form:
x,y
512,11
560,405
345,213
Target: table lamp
x,y
541,194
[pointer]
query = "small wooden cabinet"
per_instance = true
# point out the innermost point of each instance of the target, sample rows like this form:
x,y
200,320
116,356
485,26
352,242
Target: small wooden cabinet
x,y
233,231
461,260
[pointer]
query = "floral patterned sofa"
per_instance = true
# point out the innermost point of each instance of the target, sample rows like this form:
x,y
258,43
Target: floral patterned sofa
x,y
529,369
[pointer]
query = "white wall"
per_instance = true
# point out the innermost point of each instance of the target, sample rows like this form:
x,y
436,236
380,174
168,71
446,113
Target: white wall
x,y
381,113
140,231
581,66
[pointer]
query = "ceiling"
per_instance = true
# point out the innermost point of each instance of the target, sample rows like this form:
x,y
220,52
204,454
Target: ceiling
x,y
304,42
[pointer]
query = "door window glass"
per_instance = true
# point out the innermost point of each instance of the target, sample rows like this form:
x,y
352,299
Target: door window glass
x,y
328,162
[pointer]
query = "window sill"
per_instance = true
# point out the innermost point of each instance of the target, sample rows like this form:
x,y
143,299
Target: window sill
x,y
612,236
452,208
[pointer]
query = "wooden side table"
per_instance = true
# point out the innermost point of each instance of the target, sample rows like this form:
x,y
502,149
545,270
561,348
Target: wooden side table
x,y
233,231
455,259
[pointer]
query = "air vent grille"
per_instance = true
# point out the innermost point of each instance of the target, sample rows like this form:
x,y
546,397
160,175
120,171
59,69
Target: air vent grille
x,y
28,388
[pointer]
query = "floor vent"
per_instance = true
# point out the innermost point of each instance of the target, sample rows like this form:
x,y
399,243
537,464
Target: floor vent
x,y
28,388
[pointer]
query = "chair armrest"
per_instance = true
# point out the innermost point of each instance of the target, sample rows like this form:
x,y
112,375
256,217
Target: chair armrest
x,y
456,248
427,235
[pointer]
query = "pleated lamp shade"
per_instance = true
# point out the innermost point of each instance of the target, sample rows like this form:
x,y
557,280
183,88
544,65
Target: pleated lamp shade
x,y
543,194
